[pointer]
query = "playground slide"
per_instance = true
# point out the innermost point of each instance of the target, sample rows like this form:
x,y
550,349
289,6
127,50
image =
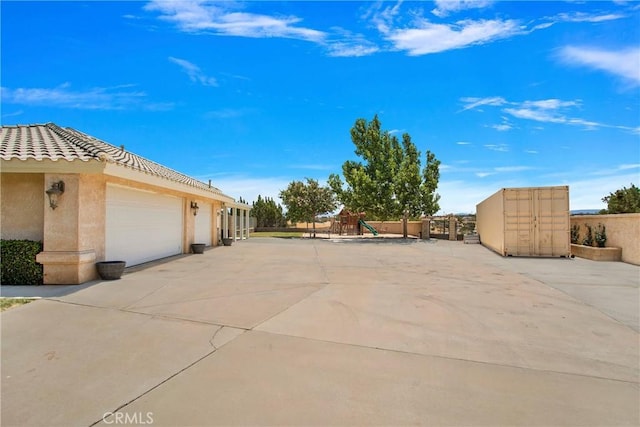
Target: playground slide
x,y
370,228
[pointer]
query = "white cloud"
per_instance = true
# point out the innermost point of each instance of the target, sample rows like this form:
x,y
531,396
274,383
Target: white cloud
x,y
463,143
502,170
445,7
577,17
484,174
14,114
533,114
587,17
97,98
587,124
429,38
502,127
542,26
194,72
383,19
221,19
497,147
473,103
550,104
629,166
614,170
351,46
634,130
621,63
545,110
342,43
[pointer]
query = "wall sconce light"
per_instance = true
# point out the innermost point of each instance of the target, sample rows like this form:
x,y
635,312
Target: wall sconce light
x,y
57,188
195,208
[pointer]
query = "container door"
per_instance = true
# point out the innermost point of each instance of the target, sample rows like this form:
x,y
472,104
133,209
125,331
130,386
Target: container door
x,y
518,222
551,221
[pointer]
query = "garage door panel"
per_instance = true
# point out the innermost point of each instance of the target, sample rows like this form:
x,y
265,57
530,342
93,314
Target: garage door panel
x,y
142,226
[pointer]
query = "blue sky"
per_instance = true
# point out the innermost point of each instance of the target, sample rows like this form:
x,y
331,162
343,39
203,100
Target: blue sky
x,y
253,95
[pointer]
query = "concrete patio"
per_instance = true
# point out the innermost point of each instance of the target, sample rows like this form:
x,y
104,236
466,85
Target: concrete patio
x,y
331,332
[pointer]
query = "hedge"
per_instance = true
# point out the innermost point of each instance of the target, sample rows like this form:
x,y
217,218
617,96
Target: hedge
x,y
18,262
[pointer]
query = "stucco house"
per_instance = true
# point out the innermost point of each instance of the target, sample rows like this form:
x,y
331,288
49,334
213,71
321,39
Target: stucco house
x,y
91,201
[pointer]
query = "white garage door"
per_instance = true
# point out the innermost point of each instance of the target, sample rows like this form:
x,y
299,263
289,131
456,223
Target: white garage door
x,y
142,226
203,225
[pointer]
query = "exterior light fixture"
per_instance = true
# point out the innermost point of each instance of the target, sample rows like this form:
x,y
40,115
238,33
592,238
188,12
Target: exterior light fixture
x,y
57,188
195,208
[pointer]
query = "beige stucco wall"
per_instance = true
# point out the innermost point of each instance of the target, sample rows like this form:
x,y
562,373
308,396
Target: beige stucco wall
x,y
394,227
623,231
61,223
21,206
91,213
190,220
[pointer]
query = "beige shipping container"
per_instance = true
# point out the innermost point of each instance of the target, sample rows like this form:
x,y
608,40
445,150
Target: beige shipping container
x,y
531,221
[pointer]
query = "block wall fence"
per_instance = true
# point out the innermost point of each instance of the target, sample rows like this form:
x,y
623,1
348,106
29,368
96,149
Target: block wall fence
x,y
623,231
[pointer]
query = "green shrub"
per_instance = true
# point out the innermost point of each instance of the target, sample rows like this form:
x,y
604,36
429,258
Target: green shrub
x,y
575,233
588,238
18,262
601,236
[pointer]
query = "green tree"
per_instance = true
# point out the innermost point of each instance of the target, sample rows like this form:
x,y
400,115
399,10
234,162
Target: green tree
x,y
305,201
625,200
267,213
431,176
388,183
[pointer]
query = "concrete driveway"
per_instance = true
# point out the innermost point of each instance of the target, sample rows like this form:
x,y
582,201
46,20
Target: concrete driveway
x,y
331,332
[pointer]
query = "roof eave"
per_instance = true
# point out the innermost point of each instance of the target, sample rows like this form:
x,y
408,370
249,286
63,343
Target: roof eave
x,y
120,171
30,165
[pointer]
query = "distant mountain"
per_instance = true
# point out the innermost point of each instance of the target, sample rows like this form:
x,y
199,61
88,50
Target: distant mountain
x,y
585,212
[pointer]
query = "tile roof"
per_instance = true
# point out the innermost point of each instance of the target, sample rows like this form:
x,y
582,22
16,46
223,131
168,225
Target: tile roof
x,y
51,142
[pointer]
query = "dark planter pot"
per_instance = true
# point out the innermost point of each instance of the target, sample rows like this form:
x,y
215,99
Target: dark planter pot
x,y
110,270
227,241
197,248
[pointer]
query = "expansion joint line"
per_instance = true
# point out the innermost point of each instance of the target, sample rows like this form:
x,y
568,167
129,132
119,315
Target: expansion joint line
x,y
160,383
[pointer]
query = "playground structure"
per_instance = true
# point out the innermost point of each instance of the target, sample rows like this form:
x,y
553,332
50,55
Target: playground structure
x,y
350,223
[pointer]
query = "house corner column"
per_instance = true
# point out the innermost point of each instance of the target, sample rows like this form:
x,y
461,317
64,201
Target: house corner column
x,y
189,234
73,237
